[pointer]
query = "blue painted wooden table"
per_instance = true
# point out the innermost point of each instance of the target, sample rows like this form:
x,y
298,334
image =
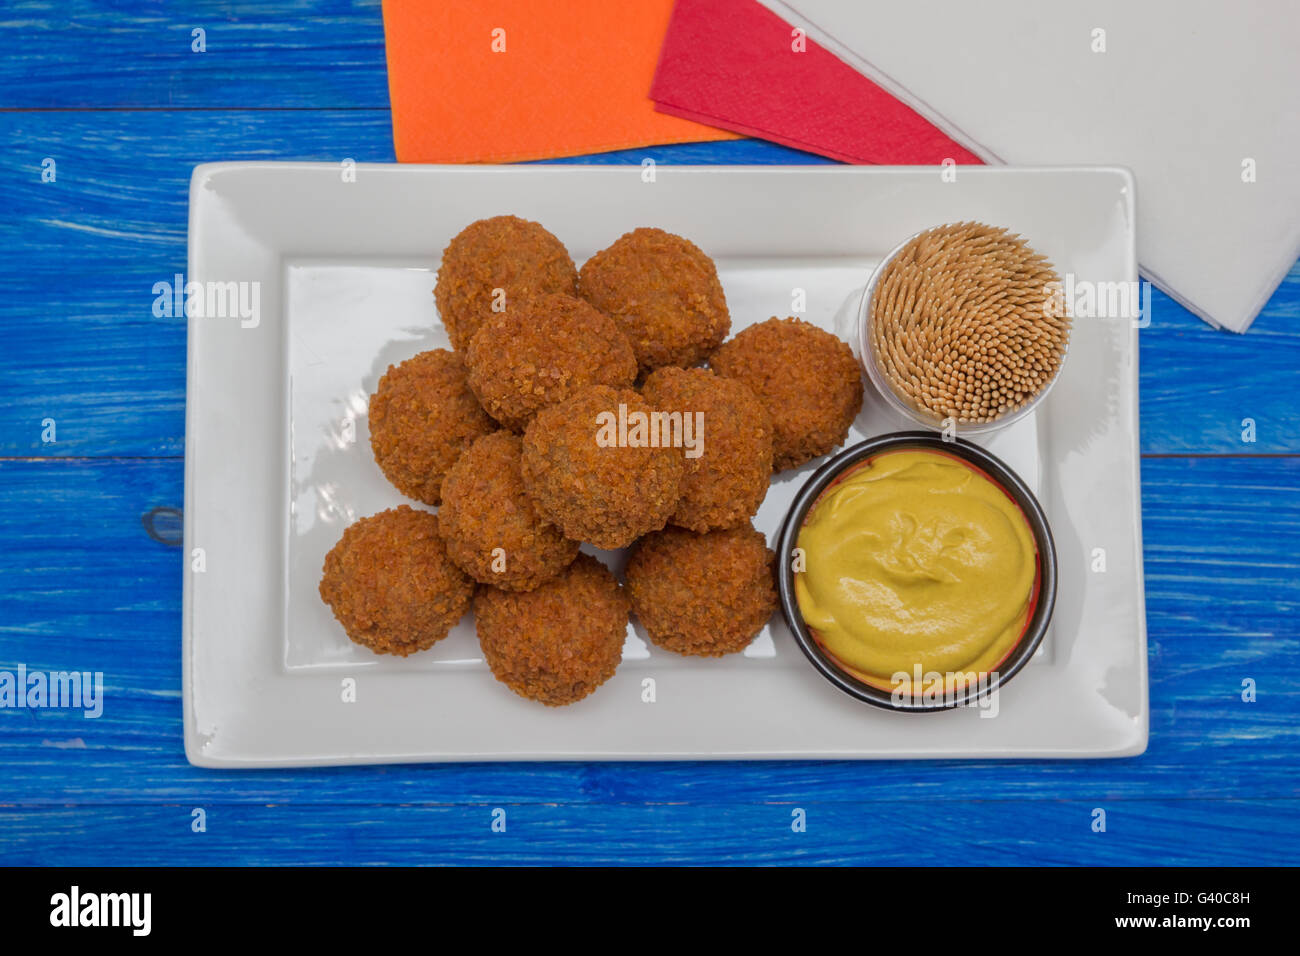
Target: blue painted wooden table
x,y
113,95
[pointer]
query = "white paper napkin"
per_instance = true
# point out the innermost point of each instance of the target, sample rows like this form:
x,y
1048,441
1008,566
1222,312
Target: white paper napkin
x,y
1197,97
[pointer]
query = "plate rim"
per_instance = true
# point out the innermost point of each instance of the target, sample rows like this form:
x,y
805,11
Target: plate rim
x,y
228,757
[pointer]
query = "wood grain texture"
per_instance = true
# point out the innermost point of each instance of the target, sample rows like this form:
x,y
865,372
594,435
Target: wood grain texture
x,y
115,54
1050,832
86,250
112,92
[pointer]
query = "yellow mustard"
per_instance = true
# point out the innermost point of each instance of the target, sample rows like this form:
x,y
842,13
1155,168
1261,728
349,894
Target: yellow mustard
x,y
916,559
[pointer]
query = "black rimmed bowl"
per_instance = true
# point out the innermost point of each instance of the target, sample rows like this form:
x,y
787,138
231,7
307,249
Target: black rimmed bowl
x,y
1002,476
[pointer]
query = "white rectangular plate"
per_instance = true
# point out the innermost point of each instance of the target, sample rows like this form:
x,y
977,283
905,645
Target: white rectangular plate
x,y
277,462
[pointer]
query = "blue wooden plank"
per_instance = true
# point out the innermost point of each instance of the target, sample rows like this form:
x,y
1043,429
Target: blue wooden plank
x,y
1051,833
1205,391
743,152
300,54
84,348
82,585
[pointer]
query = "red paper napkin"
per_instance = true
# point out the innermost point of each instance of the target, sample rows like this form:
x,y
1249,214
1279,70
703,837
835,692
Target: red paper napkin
x,y
733,63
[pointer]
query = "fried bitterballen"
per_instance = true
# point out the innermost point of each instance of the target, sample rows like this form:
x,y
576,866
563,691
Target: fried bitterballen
x,y
664,294
806,377
586,479
704,595
541,351
422,416
560,641
492,530
493,264
728,477
391,585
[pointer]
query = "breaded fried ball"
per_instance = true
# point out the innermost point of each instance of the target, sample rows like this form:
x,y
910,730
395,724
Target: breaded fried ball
x,y
704,595
728,477
560,641
807,378
391,585
505,252
422,417
540,351
663,292
594,483
489,524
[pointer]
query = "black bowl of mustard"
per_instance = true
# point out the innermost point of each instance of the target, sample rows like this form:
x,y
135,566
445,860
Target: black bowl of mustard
x,y
901,456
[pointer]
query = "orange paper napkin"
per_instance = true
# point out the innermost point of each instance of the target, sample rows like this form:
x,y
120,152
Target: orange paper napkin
x,y
509,80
